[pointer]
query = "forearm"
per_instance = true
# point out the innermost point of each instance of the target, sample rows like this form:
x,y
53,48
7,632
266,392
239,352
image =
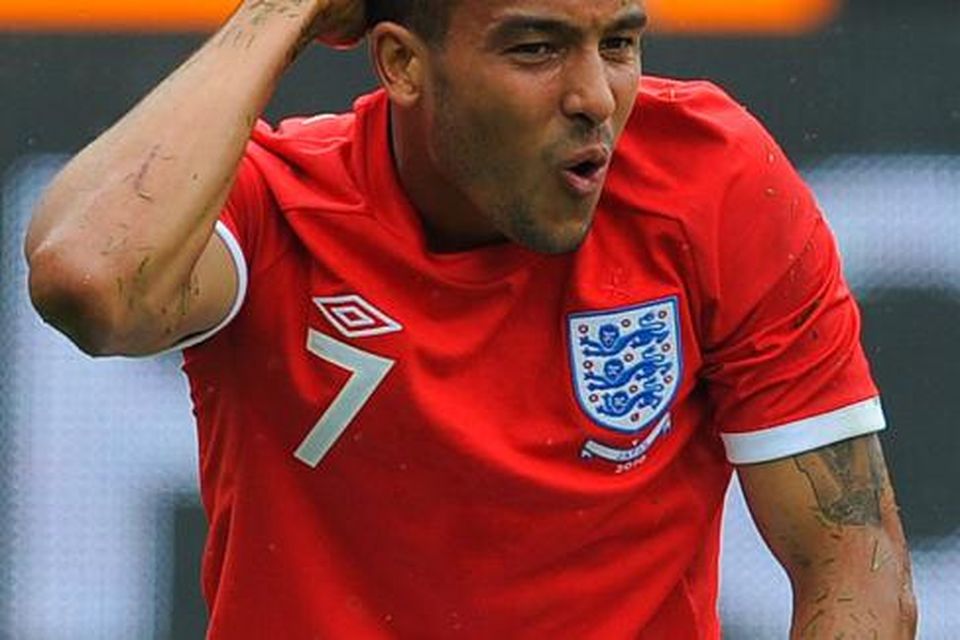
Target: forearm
x,y
860,587
831,519
854,580
127,218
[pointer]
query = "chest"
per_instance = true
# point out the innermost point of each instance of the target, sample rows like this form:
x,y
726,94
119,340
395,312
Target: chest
x,y
586,356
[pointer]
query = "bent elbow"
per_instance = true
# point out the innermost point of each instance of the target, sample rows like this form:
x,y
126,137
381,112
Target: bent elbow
x,y
75,299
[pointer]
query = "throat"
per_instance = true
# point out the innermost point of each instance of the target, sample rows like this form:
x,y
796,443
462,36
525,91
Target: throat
x,y
452,236
449,219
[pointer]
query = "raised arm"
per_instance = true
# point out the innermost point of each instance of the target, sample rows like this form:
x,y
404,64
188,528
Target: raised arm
x,y
121,249
830,518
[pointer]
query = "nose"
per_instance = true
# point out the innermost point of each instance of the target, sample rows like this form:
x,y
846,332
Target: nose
x,y
589,95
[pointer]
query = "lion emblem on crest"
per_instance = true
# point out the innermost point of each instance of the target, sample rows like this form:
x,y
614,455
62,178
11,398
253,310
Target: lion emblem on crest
x,y
626,364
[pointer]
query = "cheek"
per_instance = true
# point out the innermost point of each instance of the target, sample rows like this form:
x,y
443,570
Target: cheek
x,y
625,88
498,133
513,125
508,137
513,105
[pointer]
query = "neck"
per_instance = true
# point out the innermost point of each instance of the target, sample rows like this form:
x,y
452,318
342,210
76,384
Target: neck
x,y
451,222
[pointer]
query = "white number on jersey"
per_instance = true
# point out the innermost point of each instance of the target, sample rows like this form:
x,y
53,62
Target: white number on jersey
x,y
368,371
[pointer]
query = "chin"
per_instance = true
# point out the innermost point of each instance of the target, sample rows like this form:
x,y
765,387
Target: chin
x,y
563,231
552,241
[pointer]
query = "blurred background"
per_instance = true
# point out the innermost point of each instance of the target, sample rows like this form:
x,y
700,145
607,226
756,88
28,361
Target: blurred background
x,y
100,524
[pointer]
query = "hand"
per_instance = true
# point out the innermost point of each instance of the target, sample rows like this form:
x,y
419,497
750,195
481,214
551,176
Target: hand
x,y
339,23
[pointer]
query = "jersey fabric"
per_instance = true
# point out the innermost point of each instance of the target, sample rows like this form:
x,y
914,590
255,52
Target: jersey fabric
x,y
497,443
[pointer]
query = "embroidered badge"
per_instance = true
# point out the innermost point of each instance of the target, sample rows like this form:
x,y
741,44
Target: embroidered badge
x,y
626,367
354,317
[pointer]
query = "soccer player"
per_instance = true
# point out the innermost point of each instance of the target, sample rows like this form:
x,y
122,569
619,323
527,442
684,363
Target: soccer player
x,y
478,358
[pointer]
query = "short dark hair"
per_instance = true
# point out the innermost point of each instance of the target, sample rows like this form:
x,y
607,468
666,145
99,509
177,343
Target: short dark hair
x,y
429,19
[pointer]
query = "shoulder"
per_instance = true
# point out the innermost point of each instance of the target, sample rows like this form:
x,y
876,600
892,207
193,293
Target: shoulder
x,y
301,138
314,162
688,138
693,155
691,107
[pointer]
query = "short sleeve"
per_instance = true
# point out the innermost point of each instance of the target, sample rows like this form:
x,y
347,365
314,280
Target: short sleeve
x,y
237,226
784,365
247,204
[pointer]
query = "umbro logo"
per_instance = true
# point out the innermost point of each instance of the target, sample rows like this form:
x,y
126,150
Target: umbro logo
x,y
354,317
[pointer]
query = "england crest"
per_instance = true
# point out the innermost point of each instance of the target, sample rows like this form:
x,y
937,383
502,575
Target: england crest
x,y
627,364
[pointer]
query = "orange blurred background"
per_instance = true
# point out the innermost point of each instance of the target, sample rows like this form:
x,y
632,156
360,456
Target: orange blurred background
x,y
778,17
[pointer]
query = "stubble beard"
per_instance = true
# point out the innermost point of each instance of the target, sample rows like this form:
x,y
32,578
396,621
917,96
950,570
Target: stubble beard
x,y
457,146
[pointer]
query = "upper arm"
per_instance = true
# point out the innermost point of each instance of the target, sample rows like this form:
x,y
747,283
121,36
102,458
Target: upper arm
x,y
780,328
212,295
133,301
785,373
830,518
117,286
802,501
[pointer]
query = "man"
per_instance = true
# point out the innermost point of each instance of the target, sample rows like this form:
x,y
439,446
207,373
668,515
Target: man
x,y
475,359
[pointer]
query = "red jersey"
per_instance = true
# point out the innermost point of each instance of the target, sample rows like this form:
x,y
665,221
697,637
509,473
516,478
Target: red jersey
x,y
498,443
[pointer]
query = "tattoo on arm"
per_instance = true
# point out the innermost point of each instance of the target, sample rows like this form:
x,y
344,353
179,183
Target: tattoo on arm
x,y
260,11
847,479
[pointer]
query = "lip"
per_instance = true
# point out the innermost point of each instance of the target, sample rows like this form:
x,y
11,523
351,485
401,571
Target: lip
x,y
586,185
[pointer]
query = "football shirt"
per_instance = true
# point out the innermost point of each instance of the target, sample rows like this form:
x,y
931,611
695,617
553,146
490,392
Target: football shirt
x,y
398,443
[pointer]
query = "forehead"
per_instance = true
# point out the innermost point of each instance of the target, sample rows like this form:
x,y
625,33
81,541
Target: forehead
x,y
477,16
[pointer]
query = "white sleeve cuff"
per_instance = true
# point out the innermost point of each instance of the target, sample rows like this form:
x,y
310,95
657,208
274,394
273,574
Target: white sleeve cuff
x,y
240,264
805,435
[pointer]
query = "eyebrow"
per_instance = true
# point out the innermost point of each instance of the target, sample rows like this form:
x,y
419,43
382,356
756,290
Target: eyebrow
x,y
634,20
514,26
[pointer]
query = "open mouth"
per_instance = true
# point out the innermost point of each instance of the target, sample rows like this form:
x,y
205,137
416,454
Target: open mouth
x,y
585,175
586,169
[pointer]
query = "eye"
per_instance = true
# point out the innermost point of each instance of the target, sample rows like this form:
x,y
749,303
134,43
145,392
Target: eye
x,y
620,46
533,51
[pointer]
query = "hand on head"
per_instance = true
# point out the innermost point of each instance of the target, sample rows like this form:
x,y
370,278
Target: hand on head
x,y
339,23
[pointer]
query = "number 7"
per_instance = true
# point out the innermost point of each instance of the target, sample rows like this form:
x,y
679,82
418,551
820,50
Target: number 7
x,y
368,371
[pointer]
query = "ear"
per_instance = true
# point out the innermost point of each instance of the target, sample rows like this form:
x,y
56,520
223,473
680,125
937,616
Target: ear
x,y
399,59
